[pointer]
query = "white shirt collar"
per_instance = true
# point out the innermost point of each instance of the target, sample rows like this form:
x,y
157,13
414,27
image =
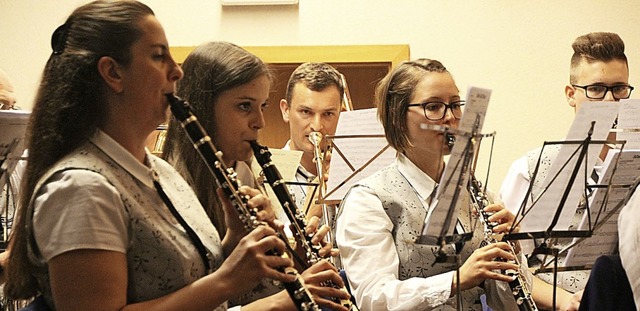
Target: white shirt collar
x,y
124,158
419,180
287,146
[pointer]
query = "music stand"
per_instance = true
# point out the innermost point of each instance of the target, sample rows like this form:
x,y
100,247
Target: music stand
x,y
464,167
438,229
13,125
440,226
359,148
581,157
355,170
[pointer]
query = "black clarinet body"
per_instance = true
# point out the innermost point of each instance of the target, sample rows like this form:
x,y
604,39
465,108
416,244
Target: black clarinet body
x,y
227,179
519,288
295,215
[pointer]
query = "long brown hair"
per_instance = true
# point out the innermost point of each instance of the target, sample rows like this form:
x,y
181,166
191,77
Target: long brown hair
x,y
209,70
69,108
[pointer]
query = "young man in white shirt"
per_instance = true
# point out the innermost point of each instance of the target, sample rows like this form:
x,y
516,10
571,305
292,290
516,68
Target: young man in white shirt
x,y
599,72
313,103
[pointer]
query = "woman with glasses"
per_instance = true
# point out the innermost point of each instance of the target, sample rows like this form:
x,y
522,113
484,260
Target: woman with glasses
x,y
382,216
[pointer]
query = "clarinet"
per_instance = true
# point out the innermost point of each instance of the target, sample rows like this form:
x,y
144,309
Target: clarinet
x,y
227,179
295,215
518,286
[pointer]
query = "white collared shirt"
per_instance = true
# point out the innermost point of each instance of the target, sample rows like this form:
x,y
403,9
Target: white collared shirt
x,y
376,264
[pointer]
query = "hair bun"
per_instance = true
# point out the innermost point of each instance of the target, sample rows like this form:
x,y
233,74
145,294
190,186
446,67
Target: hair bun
x,y
59,39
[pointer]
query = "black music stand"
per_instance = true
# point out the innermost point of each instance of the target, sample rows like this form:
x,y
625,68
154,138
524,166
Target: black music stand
x,y
580,155
354,170
13,125
457,174
464,167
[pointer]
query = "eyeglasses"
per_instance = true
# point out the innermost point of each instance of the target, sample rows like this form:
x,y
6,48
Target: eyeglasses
x,y
596,91
435,111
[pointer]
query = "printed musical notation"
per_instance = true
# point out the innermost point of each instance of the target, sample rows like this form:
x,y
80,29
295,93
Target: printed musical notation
x,y
620,169
357,144
629,123
558,177
445,214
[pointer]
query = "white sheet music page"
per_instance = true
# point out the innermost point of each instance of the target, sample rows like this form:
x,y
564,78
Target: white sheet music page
x,y
541,215
472,120
605,238
629,119
287,162
357,151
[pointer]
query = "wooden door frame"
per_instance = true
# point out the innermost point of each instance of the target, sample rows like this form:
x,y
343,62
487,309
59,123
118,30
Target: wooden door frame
x,y
318,53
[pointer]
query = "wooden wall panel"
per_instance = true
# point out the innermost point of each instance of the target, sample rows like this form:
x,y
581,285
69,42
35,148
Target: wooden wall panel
x,y
362,65
361,80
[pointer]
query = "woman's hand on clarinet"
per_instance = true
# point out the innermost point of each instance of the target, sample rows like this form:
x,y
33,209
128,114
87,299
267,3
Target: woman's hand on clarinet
x,y
502,216
481,265
318,237
505,220
257,201
261,203
249,262
318,279
236,229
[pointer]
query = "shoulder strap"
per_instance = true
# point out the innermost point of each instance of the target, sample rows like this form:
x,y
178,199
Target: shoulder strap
x,y
202,250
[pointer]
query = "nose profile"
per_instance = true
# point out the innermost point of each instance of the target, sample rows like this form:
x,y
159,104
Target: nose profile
x,y
177,73
448,114
608,96
316,124
258,122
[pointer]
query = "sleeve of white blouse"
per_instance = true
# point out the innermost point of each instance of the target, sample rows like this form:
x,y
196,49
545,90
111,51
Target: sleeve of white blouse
x,y
79,209
370,259
515,184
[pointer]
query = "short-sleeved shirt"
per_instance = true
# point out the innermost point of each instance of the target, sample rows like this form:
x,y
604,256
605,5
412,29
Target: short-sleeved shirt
x,y
100,197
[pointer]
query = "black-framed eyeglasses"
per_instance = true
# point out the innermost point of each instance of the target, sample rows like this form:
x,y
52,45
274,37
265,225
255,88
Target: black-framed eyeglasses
x,y
598,91
435,111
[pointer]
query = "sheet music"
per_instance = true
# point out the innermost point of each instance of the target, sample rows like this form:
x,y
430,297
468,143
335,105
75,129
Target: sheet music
x,y
13,125
605,239
629,118
357,151
541,215
472,119
287,162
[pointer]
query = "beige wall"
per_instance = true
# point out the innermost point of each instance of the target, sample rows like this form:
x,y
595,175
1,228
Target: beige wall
x,y
520,49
